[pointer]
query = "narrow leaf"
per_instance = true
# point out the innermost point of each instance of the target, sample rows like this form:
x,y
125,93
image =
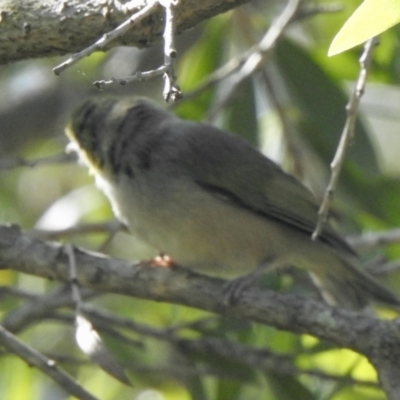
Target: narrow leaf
x,y
371,18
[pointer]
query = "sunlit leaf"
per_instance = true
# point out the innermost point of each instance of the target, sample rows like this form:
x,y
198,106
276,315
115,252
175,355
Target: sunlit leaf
x,y
91,344
371,18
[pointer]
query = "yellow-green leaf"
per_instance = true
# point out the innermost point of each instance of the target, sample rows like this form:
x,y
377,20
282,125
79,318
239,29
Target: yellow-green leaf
x,y
371,18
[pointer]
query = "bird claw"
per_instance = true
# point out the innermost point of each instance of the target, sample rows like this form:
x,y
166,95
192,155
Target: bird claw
x,y
234,288
162,261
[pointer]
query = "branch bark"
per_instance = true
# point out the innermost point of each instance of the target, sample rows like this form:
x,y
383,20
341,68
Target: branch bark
x,y
32,29
376,339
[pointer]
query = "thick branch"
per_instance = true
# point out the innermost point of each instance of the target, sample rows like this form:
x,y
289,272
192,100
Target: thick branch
x,y
359,332
31,29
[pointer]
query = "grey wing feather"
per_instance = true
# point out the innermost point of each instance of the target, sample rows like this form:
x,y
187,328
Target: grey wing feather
x,y
227,165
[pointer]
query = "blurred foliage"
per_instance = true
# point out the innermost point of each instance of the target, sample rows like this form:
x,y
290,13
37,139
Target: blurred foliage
x,y
294,110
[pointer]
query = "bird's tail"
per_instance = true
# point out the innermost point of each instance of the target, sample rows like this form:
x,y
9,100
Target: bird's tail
x,y
352,288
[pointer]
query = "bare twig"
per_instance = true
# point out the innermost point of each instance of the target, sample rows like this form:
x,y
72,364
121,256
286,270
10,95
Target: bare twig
x,y
171,89
18,162
138,76
49,367
169,32
80,229
258,55
375,239
17,293
236,63
314,9
107,37
218,75
41,307
86,336
76,295
347,135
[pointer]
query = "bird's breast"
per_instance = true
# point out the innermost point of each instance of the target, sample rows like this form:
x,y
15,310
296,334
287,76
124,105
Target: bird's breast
x,y
197,229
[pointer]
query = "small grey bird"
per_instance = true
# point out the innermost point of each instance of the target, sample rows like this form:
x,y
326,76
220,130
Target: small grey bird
x,y
210,200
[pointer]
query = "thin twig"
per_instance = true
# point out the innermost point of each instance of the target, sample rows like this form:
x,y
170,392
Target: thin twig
x,y
372,240
41,307
171,89
109,227
315,9
257,58
18,293
199,324
76,295
236,63
169,31
347,136
138,76
46,365
107,37
247,62
219,74
86,336
18,162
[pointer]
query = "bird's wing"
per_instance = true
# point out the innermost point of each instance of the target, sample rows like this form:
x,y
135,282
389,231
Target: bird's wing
x,y
229,167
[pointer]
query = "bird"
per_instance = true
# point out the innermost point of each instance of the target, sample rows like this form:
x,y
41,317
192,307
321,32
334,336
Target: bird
x,y
210,200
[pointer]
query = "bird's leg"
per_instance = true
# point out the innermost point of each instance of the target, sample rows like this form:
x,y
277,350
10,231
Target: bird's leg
x,y
235,287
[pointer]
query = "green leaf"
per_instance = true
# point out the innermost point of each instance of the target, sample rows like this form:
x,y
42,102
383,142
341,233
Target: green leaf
x,y
241,116
371,18
197,63
321,104
287,388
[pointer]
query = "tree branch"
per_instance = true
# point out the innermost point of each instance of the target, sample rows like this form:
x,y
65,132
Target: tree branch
x,y
256,358
49,367
38,29
377,339
20,252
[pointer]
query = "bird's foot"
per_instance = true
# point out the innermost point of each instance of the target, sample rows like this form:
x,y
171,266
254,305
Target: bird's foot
x,y
234,288
162,261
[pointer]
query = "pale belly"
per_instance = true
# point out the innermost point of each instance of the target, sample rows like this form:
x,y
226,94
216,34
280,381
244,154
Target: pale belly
x,y
207,234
